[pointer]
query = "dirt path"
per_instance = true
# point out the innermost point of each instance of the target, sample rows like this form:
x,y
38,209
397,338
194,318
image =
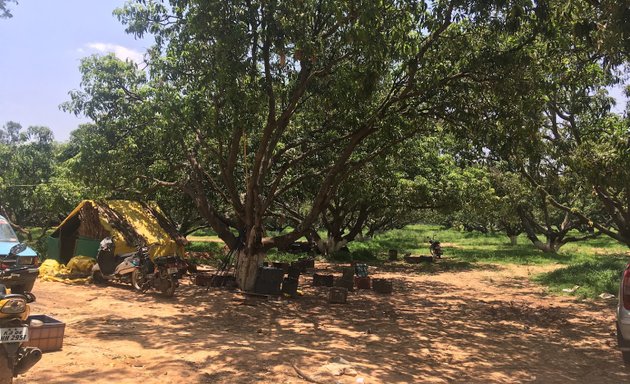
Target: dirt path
x,y
479,326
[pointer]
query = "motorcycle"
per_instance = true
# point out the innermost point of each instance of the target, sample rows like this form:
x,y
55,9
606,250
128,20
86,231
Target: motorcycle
x,y
162,273
14,311
110,266
435,248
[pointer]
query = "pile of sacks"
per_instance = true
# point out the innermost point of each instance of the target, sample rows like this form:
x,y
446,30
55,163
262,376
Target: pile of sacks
x,y
77,271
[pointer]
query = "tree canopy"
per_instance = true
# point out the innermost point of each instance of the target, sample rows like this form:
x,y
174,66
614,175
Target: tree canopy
x,y
5,11
243,103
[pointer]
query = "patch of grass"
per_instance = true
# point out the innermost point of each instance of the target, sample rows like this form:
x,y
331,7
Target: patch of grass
x,y
476,247
594,265
204,232
358,254
282,257
519,254
464,246
412,238
205,239
203,246
595,276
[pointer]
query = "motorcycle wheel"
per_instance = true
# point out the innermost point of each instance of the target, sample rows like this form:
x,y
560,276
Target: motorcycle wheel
x,y
138,281
6,372
167,287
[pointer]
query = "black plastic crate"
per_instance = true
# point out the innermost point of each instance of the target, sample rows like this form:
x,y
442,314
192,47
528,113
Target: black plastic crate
x,y
269,281
290,286
320,280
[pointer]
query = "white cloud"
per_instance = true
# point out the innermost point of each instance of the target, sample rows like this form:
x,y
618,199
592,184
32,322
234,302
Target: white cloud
x,y
123,53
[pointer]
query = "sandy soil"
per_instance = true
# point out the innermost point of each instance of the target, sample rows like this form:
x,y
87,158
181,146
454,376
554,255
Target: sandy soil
x,y
478,326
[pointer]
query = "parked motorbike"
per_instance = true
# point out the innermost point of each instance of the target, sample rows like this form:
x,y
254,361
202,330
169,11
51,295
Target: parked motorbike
x,y
14,311
110,266
162,273
435,248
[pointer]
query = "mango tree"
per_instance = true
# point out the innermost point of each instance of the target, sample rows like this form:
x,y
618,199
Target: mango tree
x,y
238,95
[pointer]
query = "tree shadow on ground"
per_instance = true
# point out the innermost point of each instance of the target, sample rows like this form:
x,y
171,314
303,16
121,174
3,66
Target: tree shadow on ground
x,y
425,331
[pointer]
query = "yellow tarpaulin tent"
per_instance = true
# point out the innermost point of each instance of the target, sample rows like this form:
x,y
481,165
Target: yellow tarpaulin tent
x,y
146,225
129,223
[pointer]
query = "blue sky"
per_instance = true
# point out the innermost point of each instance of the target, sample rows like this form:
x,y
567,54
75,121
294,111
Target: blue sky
x,y
40,52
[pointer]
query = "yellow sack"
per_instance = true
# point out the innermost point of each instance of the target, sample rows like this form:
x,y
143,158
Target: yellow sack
x,y
80,265
51,267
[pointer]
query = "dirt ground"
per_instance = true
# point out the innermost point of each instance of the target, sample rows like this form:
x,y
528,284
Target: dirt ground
x,y
484,325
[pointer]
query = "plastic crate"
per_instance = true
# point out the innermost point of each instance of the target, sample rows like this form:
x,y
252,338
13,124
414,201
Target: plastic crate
x,y
290,286
320,280
347,273
269,281
283,266
382,286
337,295
49,336
344,283
362,282
293,272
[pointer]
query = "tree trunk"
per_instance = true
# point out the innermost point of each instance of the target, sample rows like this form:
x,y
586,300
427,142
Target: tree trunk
x,y
545,247
313,237
528,224
247,269
358,225
550,246
513,239
331,245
